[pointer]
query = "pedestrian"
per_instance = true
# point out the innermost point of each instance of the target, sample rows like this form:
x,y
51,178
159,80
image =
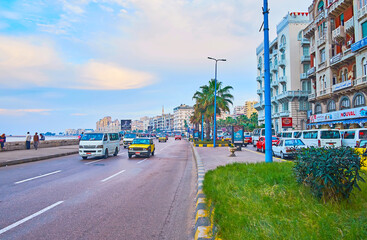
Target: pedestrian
x,y
42,137
80,136
2,141
28,140
36,140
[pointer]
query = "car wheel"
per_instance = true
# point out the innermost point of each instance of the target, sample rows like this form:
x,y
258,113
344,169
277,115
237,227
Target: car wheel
x,y
263,150
106,154
84,158
153,153
273,154
281,155
116,152
257,149
130,155
149,153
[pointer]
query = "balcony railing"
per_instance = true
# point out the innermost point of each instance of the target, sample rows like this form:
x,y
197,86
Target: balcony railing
x,y
311,96
276,115
259,91
282,46
342,85
321,41
320,16
324,92
336,58
282,61
305,58
360,81
349,26
274,68
259,78
273,99
311,71
312,49
342,57
283,79
284,114
259,66
339,34
274,83
261,118
303,76
338,6
257,106
305,41
294,94
309,30
362,12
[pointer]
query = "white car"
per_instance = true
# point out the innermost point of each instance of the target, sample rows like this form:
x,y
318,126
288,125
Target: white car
x,y
287,147
99,145
128,139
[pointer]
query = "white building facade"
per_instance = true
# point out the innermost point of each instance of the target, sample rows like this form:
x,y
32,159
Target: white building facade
x,y
182,116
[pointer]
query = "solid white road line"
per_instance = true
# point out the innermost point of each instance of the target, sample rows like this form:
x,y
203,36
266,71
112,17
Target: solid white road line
x,y
29,217
93,162
163,148
114,175
141,161
45,175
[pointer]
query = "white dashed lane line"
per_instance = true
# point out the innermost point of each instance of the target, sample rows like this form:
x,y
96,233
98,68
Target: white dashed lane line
x,y
114,175
141,161
44,175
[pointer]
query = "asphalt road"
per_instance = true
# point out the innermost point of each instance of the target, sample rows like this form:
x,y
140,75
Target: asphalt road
x,y
114,198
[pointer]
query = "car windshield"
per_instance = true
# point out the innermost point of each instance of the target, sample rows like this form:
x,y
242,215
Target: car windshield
x,y
363,144
141,141
274,139
330,134
130,136
92,137
294,142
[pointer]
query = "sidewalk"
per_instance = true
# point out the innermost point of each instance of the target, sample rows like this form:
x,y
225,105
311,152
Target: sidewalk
x,y
214,157
23,156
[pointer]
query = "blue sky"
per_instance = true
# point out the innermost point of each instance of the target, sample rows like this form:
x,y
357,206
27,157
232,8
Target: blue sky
x,y
67,63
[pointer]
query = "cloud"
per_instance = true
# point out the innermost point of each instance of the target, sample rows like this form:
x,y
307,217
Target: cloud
x,y
78,114
34,63
20,112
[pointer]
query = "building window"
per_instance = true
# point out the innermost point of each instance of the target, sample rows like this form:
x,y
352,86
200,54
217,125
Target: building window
x,y
306,51
283,41
364,66
331,107
322,55
354,72
362,3
344,103
306,67
342,19
318,109
320,7
359,100
285,107
364,29
345,75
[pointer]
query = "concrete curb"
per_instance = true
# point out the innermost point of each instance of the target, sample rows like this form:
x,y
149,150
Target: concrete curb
x,y
204,211
34,159
212,145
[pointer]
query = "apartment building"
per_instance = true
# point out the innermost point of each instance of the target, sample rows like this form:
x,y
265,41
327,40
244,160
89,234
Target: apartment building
x,y
289,62
239,110
182,116
164,122
338,36
249,108
107,125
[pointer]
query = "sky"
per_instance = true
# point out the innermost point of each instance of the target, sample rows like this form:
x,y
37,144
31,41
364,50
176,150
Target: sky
x,y
68,63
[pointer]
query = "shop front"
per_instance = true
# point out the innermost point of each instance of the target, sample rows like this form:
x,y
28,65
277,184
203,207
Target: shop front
x,y
344,119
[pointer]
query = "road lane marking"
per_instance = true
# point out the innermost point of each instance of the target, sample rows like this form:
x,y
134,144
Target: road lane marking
x,y
141,161
29,217
93,162
163,149
114,175
44,175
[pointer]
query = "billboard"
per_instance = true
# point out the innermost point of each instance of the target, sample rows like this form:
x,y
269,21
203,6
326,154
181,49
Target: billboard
x,y
126,125
237,134
287,122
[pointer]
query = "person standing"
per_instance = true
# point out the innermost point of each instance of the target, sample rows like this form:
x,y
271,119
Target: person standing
x,y
2,141
36,140
42,137
28,140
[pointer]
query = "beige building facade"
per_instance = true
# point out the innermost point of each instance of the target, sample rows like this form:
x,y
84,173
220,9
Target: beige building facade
x,y
250,108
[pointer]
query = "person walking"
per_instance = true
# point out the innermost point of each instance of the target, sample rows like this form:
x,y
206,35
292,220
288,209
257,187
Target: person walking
x,y
2,141
28,140
36,140
42,137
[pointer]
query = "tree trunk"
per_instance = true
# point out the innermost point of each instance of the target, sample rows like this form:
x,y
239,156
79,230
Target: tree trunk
x,y
207,130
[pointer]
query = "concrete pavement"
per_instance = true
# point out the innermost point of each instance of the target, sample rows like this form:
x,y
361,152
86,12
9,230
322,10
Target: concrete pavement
x,y
22,156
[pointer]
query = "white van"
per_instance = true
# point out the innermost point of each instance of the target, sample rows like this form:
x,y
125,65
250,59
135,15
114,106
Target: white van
x,y
258,133
289,134
99,145
321,138
352,137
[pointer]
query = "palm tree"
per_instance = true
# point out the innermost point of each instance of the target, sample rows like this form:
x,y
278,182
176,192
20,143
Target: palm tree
x,y
205,99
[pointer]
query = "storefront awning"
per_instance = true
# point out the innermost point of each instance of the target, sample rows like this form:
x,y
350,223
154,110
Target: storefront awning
x,y
347,121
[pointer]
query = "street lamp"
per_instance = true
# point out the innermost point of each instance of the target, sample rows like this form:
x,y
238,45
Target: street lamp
x,y
215,96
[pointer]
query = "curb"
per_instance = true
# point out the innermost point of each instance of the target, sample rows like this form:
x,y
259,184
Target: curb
x,y
204,211
212,145
35,159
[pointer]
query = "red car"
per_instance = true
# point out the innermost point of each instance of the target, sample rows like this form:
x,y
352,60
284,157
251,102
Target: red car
x,y
178,137
260,145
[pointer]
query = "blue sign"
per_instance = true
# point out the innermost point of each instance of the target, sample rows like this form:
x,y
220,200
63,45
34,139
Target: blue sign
x,y
358,45
237,134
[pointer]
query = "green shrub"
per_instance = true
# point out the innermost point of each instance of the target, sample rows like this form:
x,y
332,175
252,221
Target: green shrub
x,y
331,173
211,142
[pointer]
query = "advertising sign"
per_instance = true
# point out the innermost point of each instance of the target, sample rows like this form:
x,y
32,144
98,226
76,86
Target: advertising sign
x,y
360,44
126,125
360,112
196,134
287,122
237,134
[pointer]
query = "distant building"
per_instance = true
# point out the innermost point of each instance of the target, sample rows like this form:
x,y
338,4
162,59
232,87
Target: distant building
x,y
182,116
249,108
137,125
239,110
107,125
164,122
76,132
223,116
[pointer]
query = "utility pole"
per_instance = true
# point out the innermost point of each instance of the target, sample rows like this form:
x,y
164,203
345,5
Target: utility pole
x,y
268,132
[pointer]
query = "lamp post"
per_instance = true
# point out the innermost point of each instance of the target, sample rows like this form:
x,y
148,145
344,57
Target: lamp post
x,y
215,96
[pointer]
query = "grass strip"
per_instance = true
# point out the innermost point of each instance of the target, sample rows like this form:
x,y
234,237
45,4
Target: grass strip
x,y
263,201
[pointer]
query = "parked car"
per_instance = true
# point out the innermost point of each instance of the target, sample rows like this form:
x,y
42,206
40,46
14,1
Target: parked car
x,y
142,147
247,140
260,145
352,137
258,133
128,139
321,138
99,145
362,151
178,137
288,147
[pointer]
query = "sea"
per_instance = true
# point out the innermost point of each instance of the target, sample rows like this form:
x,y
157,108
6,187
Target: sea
x,y
22,138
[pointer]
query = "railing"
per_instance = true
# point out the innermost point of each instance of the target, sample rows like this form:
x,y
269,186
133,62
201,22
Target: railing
x,y
349,26
305,58
275,52
261,118
276,115
284,114
258,78
309,30
283,79
336,58
257,105
320,16
342,56
305,41
321,41
324,92
311,71
303,76
362,12
282,46
334,5
312,49
259,66
342,85
273,99
360,81
259,91
311,96
338,34
274,68
274,83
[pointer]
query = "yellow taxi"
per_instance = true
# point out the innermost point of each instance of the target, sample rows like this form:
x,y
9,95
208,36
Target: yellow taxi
x,y
142,147
362,151
162,138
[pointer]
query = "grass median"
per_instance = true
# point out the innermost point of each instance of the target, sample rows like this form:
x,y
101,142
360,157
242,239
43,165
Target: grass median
x,y
264,201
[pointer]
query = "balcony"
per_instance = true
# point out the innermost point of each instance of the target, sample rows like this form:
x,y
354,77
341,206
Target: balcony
x,y
257,106
305,59
360,81
336,59
341,58
273,99
275,52
312,49
283,79
305,41
337,7
259,66
261,118
259,91
362,12
339,34
274,84
309,31
321,41
320,16
349,26
276,115
282,61
259,78
274,67
342,85
324,93
311,72
303,76
285,114
282,47
311,96
290,95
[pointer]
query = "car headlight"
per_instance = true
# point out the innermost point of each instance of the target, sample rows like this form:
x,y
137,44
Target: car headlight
x,y
99,146
81,146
